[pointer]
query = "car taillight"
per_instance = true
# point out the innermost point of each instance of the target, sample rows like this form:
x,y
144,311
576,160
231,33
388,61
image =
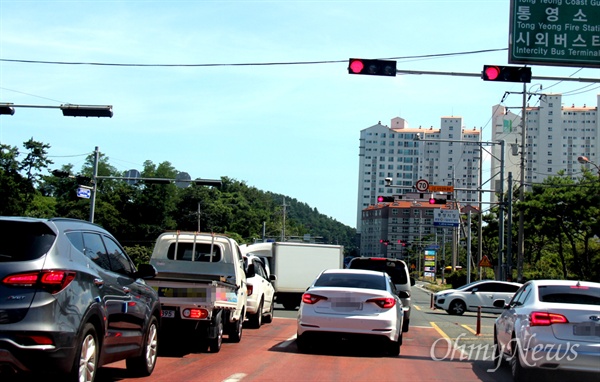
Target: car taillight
x,y
546,319
309,298
383,302
249,289
195,313
52,281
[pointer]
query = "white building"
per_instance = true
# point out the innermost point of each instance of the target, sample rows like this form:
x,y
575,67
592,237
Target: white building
x,y
394,152
556,136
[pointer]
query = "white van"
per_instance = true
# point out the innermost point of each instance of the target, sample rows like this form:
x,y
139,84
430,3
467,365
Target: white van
x,y
398,271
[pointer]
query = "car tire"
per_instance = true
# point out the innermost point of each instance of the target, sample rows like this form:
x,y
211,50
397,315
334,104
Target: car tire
x,y
143,365
235,332
214,344
85,365
394,347
256,318
303,344
498,354
519,373
268,318
405,325
457,308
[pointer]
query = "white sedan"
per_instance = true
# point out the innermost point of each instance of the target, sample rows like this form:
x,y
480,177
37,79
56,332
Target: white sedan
x,y
550,324
260,302
351,304
477,294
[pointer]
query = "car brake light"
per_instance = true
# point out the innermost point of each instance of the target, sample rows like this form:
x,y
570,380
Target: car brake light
x,y
53,281
309,298
383,302
547,319
249,289
195,313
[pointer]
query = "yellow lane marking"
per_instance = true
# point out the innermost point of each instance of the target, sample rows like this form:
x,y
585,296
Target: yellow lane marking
x,y
440,331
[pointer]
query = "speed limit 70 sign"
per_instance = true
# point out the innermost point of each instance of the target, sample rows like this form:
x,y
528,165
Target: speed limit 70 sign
x,y
422,185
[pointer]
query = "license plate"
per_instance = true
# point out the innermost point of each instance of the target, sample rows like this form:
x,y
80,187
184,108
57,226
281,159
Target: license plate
x,y
587,329
167,314
347,305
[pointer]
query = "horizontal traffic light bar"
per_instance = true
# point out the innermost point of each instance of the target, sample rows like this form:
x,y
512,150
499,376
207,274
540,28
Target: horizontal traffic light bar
x,y
86,111
371,67
506,73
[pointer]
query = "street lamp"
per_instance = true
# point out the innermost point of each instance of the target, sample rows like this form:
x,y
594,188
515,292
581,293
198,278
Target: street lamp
x,y
585,160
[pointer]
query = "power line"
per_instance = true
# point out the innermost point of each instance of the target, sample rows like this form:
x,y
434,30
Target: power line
x,y
437,55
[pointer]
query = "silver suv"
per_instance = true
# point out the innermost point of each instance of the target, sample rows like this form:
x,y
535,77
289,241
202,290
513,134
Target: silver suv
x,y
398,271
71,300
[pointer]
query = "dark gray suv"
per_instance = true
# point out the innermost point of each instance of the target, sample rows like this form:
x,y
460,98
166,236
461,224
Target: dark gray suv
x,y
71,300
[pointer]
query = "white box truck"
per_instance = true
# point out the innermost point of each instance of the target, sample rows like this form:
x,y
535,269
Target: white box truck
x,y
296,265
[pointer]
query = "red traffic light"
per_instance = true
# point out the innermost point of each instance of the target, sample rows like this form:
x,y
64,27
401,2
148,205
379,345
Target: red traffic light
x,y
491,73
372,67
356,66
385,199
437,201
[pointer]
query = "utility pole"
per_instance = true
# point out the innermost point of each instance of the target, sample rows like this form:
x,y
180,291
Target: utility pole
x,y
95,185
521,236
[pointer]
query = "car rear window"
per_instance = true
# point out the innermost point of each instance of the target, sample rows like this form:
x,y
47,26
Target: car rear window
x,y
23,241
194,252
566,294
395,269
349,280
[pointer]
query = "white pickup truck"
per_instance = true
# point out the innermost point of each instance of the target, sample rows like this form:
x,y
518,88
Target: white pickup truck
x,y
201,285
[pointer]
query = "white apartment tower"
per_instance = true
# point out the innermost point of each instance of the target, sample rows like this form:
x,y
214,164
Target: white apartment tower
x,y
556,135
395,152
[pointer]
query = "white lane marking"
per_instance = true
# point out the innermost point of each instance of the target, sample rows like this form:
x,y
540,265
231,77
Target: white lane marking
x,y
235,377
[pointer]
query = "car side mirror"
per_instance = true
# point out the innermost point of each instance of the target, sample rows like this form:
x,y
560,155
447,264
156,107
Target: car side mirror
x,y
412,281
474,290
272,278
403,294
500,303
145,271
250,272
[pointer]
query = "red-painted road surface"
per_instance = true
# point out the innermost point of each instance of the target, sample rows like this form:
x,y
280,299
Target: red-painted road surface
x,y
270,354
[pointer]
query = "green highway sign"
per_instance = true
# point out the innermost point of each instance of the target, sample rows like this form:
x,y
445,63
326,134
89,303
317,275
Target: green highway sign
x,y
555,32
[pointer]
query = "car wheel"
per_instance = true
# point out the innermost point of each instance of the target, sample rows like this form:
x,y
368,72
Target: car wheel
x,y
457,307
85,365
269,316
235,335
143,365
303,344
519,373
405,324
498,356
256,318
394,347
214,344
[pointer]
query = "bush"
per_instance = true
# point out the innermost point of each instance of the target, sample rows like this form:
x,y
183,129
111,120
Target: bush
x,y
139,254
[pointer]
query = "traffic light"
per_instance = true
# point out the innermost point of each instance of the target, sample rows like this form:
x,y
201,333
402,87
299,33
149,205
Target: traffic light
x,y
385,199
372,67
433,200
506,73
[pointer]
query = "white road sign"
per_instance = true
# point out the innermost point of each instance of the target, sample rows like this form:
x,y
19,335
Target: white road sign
x,y
84,192
446,218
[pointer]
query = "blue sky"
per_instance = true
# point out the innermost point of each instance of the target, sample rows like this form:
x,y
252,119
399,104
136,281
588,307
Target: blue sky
x,y
289,129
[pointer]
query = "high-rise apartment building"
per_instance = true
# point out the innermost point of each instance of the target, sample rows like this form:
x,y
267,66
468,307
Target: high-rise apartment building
x,y
445,156
556,135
